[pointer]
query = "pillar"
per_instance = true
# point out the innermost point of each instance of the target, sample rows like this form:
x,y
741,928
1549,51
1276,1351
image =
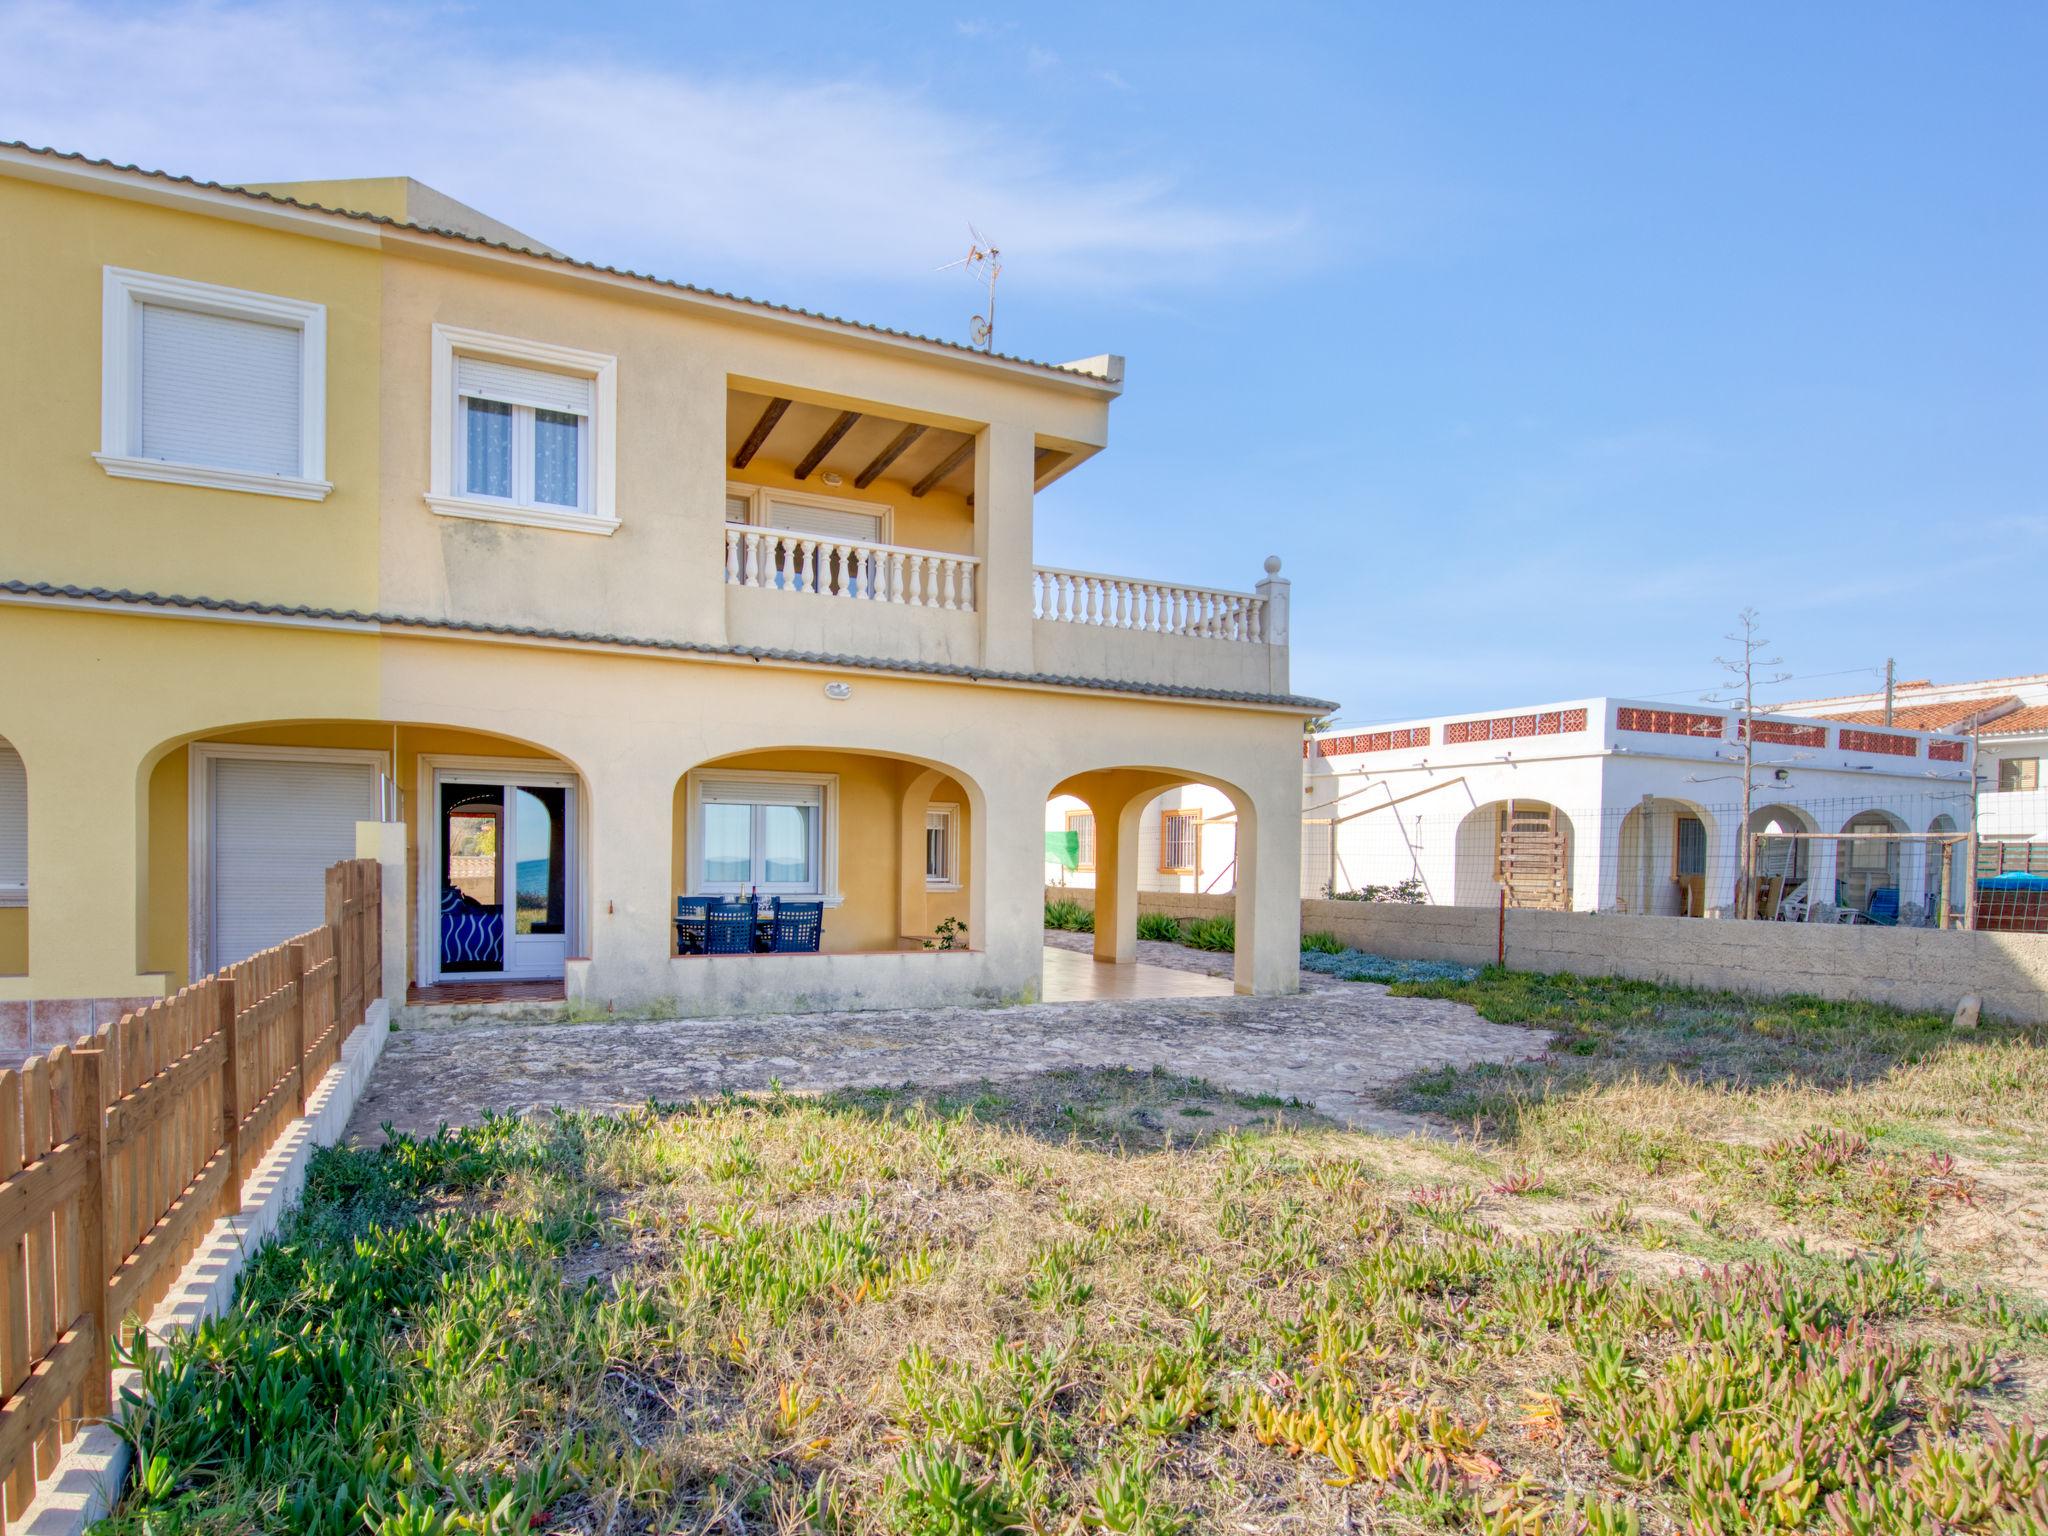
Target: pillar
x,y
1004,474
384,841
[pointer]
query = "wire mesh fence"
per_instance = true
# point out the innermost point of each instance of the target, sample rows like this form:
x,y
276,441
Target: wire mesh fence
x,y
1906,860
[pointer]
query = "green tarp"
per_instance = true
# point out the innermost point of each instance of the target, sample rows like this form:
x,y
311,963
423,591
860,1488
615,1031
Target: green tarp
x,y
1063,849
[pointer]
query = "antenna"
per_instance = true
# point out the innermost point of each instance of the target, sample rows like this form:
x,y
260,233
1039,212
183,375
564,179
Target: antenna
x,y
982,261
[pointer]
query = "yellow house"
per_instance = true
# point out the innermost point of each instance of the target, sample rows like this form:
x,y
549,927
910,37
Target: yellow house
x,y
336,505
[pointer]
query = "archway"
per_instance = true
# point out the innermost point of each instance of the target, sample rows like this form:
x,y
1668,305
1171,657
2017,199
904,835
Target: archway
x,y
1867,861
239,819
889,846
1666,861
1942,882
1783,859
1136,835
1521,845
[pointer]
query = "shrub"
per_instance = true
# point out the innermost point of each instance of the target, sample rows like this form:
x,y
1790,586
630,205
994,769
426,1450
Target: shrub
x,y
1408,892
1157,925
1069,916
1213,933
1321,944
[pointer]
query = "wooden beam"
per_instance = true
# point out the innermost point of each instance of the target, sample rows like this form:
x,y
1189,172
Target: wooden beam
x,y
760,433
841,425
887,456
943,468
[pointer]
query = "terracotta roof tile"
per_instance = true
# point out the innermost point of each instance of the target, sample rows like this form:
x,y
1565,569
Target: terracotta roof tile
x,y
2031,720
1925,717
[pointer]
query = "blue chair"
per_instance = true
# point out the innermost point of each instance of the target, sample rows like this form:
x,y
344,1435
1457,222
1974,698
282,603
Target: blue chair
x,y
1884,906
690,925
798,927
729,928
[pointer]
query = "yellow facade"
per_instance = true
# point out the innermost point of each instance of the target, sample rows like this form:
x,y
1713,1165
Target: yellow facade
x,y
378,623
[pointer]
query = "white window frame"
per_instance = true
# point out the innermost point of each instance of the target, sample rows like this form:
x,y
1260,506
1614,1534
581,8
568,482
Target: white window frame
x,y
826,852
757,498
14,893
950,879
123,293
598,446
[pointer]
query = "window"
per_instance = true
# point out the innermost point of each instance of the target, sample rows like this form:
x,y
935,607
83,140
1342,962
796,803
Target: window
x,y
1082,825
523,432
204,385
942,847
13,829
828,517
2019,773
772,833
1180,842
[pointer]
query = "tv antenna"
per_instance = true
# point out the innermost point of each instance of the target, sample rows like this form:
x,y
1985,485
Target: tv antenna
x,y
984,262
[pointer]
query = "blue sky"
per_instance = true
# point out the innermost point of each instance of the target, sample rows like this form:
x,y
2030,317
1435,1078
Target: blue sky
x,y
1537,340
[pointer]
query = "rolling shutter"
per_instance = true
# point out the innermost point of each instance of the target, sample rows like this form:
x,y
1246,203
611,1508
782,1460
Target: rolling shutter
x,y
277,826
481,379
219,391
13,820
826,522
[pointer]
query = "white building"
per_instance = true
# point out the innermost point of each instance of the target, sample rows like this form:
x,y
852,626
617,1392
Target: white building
x,y
1187,841
2007,717
1633,806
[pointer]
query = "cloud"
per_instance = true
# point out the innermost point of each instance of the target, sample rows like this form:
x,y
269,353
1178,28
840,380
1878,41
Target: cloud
x,y
617,160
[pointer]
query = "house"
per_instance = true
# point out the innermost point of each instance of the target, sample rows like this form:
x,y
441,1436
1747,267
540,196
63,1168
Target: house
x,y
340,514
1627,805
2007,719
1186,842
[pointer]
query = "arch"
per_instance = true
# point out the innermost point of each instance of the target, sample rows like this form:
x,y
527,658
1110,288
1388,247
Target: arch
x,y
1524,844
1867,864
1784,864
881,817
173,842
1943,857
1669,862
13,861
1117,799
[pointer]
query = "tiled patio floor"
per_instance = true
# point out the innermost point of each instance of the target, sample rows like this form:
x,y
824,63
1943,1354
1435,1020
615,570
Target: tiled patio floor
x,y
1071,977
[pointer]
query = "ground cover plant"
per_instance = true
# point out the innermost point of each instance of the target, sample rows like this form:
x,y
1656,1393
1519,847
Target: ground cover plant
x,y
1069,916
1109,1301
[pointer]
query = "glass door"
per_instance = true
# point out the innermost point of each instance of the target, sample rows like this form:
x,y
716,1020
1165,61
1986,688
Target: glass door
x,y
506,857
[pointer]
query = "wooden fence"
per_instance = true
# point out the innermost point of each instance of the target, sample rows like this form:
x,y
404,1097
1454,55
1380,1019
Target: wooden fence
x,y
121,1150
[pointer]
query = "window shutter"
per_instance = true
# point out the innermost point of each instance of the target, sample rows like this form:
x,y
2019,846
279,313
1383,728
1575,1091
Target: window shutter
x,y
482,379
277,826
826,522
13,819
219,391
770,793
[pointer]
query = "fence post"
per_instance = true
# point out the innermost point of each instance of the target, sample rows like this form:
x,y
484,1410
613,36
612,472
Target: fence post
x,y
297,971
230,1091
89,1100
338,924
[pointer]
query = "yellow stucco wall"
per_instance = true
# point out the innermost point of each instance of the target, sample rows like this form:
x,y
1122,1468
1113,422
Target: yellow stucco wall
x,y
69,521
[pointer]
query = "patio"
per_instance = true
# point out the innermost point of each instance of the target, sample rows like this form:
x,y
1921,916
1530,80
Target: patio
x,y
1334,1044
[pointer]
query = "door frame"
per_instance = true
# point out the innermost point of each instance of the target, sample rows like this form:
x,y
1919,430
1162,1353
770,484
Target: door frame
x,y
200,759
512,771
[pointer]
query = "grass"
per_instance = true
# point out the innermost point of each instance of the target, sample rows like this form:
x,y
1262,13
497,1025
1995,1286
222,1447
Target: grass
x,y
1711,1266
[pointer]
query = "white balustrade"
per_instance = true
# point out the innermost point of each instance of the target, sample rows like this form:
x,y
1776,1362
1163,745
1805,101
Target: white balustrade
x,y
847,568
1155,607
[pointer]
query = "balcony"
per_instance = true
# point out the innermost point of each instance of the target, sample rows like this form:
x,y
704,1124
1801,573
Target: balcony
x,y
1132,629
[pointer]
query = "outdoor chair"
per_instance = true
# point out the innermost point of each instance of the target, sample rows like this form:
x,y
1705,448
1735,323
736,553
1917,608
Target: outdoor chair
x,y
1884,907
798,925
1791,907
729,928
690,925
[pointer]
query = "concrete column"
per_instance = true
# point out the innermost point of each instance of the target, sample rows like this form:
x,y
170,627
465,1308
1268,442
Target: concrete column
x,y
1116,877
1268,960
1275,589
1724,862
628,817
87,887
1004,456
384,841
1006,884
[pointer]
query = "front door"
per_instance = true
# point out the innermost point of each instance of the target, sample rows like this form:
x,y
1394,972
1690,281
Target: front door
x,y
505,857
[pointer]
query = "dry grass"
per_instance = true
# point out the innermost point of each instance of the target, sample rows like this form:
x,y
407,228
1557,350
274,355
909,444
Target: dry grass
x,y
1756,1293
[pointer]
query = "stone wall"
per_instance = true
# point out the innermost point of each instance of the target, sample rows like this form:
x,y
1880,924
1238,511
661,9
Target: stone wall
x,y
1908,967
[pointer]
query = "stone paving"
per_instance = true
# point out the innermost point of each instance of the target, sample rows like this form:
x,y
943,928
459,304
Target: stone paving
x,y
1332,1045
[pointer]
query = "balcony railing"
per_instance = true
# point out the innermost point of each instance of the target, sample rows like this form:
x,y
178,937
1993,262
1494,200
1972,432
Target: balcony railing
x,y
848,568
1156,607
